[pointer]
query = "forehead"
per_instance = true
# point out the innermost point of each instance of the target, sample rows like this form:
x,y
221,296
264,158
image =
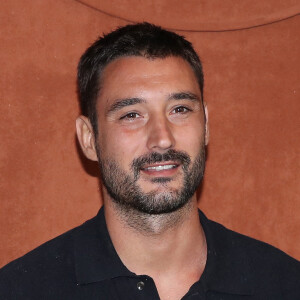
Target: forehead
x,y
135,76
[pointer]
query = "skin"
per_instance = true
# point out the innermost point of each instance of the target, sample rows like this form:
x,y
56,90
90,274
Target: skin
x,y
169,247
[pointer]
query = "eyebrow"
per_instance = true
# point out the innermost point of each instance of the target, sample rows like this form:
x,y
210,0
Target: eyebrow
x,y
120,103
184,96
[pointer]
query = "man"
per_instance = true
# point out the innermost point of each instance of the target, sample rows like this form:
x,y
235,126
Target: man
x,y
144,120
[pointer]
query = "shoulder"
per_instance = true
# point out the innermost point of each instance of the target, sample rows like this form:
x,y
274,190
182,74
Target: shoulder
x,y
270,268
257,250
51,263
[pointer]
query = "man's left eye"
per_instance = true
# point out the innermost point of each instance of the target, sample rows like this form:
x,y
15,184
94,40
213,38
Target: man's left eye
x,y
181,110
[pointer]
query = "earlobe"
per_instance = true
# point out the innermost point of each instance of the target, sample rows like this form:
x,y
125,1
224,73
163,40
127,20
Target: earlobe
x,y
86,138
206,124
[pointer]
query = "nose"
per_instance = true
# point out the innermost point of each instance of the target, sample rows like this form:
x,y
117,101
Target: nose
x,y
160,135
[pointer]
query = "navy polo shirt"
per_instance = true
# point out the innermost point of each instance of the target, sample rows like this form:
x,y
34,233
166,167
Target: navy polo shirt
x,y
83,264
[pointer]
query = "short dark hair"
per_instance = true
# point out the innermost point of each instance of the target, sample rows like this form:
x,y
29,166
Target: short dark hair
x,y
142,39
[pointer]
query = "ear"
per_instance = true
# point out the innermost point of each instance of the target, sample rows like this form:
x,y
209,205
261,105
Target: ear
x,y
86,137
206,124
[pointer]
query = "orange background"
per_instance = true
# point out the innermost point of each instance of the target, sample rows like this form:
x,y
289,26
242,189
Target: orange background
x,y
252,181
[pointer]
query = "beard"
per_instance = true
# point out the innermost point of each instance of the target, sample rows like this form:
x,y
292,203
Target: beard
x,y
125,192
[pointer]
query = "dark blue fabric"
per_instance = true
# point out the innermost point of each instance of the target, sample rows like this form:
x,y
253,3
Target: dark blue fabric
x,y
83,264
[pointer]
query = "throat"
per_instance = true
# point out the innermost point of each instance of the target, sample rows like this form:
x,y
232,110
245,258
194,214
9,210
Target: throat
x,y
151,224
170,248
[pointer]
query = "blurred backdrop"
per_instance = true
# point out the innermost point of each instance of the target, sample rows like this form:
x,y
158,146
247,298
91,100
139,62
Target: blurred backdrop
x,y
250,53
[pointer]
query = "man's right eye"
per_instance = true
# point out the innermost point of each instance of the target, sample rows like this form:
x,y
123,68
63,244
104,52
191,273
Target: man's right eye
x,y
130,116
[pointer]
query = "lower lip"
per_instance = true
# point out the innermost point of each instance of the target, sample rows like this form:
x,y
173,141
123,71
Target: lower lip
x,y
161,173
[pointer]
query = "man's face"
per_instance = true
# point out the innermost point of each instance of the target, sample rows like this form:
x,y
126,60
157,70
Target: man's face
x,y
151,133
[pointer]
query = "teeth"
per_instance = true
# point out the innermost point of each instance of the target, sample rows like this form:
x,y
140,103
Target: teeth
x,y
160,168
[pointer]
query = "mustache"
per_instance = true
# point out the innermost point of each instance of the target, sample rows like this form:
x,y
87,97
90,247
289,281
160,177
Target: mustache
x,y
154,157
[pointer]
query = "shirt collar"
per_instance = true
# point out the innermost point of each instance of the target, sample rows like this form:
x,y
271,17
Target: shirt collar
x,y
95,256
227,270
228,266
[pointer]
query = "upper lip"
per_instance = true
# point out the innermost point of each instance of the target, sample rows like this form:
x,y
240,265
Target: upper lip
x,y
160,164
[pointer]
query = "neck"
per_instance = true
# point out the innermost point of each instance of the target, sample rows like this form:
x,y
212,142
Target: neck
x,y
161,246
148,225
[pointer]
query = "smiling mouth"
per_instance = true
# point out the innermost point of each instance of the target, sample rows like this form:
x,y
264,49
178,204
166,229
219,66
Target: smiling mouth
x,y
167,169
160,167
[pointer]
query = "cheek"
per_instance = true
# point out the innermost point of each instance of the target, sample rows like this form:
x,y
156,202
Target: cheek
x,y
120,145
190,138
